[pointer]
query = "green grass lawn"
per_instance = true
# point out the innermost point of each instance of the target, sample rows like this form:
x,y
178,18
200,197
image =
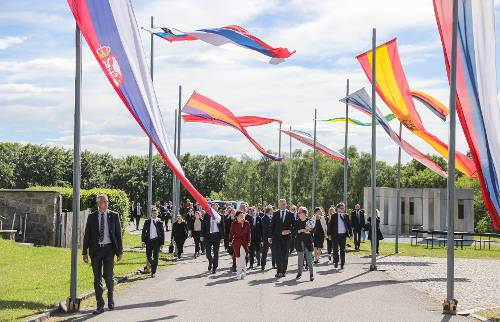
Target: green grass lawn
x,y
420,251
491,314
36,278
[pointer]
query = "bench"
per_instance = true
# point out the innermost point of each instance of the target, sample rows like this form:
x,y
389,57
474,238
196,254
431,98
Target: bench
x,y
8,234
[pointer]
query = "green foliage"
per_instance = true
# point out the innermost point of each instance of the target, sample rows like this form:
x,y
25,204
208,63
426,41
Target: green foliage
x,y
118,200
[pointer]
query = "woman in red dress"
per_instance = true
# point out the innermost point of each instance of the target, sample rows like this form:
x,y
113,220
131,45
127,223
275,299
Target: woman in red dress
x,y
239,235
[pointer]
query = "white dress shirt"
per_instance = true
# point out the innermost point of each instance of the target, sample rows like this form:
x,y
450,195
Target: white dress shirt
x,y
213,225
341,225
152,229
107,239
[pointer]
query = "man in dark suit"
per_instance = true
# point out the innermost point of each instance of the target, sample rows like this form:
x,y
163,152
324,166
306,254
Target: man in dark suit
x,y
265,228
212,234
357,224
256,236
280,230
102,241
339,229
153,237
137,214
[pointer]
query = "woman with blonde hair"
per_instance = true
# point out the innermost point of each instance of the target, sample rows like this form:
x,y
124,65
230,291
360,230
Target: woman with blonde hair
x,y
320,230
328,218
304,242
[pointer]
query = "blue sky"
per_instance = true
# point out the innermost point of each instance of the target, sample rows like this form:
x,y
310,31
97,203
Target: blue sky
x,y
37,72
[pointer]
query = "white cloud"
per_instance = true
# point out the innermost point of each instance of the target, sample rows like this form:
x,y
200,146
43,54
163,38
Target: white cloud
x,y
6,42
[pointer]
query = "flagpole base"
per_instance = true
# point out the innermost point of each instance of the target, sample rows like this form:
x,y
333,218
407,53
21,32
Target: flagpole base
x,y
450,306
70,305
373,267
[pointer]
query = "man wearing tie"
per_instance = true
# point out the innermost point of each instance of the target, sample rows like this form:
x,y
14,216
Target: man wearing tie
x,y
102,241
256,235
280,230
357,223
153,237
212,234
338,230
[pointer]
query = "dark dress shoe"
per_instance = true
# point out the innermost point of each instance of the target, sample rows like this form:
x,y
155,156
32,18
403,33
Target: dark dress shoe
x,y
341,266
278,275
298,276
311,278
335,265
262,268
99,310
111,306
209,268
213,271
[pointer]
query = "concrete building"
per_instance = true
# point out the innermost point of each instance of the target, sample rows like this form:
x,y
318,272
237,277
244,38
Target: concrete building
x,y
420,207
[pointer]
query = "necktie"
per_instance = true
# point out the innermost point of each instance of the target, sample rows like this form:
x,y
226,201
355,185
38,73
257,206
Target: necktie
x,y
101,228
282,216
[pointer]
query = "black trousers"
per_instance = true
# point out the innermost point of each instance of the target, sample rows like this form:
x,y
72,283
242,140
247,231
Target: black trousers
x,y
292,243
167,218
212,244
152,251
282,252
102,265
357,237
338,243
196,236
180,246
137,221
254,253
329,245
265,249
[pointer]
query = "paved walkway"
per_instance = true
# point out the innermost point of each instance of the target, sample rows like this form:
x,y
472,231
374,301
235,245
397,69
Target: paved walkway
x,y
186,292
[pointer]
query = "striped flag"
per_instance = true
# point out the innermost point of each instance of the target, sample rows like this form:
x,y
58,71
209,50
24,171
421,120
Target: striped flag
x,y
111,31
362,102
229,36
201,106
308,140
477,95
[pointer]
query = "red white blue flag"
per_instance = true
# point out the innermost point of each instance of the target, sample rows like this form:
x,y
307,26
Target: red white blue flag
x,y
229,36
111,31
477,94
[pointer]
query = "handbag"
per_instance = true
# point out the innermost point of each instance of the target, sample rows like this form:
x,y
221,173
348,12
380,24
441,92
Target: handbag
x,y
171,248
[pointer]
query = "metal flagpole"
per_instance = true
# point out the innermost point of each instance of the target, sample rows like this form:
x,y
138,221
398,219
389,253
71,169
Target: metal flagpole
x,y
314,164
177,182
150,158
72,303
346,147
174,179
398,193
373,265
291,168
450,304
279,163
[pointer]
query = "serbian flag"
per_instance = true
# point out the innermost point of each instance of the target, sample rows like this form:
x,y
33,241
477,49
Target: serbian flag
x,y
111,31
388,117
362,102
394,90
308,140
201,107
477,96
229,36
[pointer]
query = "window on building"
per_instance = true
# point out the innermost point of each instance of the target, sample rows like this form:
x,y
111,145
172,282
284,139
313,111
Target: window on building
x,y
402,207
461,211
412,208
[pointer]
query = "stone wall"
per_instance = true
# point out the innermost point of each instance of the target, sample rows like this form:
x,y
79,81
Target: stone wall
x,y
39,215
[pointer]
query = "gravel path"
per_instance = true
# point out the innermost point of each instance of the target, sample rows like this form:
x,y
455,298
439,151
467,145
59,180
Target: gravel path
x,y
477,281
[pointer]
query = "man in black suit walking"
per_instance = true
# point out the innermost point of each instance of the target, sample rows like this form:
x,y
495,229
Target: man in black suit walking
x,y
153,237
265,226
212,234
256,236
103,240
280,230
357,224
339,229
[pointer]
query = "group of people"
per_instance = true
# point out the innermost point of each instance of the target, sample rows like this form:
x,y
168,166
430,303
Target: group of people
x,y
248,234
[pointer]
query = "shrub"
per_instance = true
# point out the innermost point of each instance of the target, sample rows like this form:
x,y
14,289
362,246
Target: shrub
x,y
118,200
